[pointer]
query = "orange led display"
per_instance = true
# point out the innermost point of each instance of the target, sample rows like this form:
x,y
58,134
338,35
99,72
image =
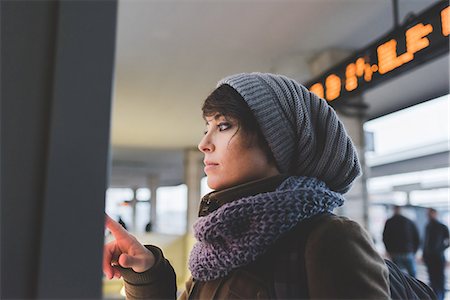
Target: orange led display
x,y
415,41
416,37
368,72
360,64
420,36
445,22
355,70
351,82
333,85
388,59
317,89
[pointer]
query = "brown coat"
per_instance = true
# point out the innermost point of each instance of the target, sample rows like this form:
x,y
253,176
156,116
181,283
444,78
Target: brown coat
x,y
340,262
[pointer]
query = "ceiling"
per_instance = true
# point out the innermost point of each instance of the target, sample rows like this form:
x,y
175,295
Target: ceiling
x,y
170,54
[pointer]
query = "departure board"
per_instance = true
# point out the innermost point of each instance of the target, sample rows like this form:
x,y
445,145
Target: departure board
x,y
419,40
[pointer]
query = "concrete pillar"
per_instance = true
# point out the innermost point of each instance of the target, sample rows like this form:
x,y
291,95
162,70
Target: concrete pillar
x,y
133,204
357,203
193,174
408,198
357,199
153,184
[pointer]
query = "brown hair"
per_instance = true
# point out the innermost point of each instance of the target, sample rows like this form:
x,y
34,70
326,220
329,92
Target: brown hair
x,y
228,102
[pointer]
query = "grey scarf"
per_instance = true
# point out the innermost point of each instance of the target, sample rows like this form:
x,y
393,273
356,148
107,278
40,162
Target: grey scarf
x,y
238,232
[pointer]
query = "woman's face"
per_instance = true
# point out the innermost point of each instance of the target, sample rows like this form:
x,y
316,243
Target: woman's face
x,y
229,157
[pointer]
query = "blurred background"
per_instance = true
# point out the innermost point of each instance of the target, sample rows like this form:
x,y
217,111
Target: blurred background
x,y
101,112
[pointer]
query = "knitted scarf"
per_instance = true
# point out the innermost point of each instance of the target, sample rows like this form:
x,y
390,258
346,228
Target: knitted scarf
x,y
238,232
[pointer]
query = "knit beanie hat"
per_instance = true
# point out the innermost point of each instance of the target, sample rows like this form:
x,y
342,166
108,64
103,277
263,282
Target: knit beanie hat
x,y
302,130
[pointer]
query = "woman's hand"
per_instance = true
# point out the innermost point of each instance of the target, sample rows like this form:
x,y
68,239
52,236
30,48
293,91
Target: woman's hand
x,y
125,251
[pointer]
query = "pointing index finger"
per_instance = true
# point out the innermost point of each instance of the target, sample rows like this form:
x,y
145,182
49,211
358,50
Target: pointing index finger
x,y
116,229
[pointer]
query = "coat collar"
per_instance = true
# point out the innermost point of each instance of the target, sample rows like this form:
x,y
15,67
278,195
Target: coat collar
x,y
212,201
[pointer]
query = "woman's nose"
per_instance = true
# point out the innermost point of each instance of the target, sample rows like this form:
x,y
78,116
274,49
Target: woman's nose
x,y
205,144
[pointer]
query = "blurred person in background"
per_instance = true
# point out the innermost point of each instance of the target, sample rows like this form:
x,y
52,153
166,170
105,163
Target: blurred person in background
x,y
279,161
122,222
149,227
436,241
401,239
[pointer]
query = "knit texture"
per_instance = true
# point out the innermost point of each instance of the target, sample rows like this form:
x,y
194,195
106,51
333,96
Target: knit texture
x,y
302,130
240,231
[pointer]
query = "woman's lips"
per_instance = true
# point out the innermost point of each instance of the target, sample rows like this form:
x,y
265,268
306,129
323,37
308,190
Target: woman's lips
x,y
210,166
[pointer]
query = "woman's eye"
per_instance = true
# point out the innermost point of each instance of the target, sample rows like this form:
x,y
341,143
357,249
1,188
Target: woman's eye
x,y
223,126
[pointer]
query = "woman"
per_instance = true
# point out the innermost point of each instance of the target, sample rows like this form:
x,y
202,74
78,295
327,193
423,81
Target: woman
x,y
279,161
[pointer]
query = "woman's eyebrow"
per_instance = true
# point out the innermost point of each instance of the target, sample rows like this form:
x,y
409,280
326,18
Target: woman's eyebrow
x,y
215,117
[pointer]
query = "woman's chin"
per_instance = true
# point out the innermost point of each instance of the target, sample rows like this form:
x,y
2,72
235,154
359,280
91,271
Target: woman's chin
x,y
217,184
214,186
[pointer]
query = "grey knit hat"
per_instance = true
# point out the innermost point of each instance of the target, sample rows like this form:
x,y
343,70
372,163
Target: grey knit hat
x,y
302,130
